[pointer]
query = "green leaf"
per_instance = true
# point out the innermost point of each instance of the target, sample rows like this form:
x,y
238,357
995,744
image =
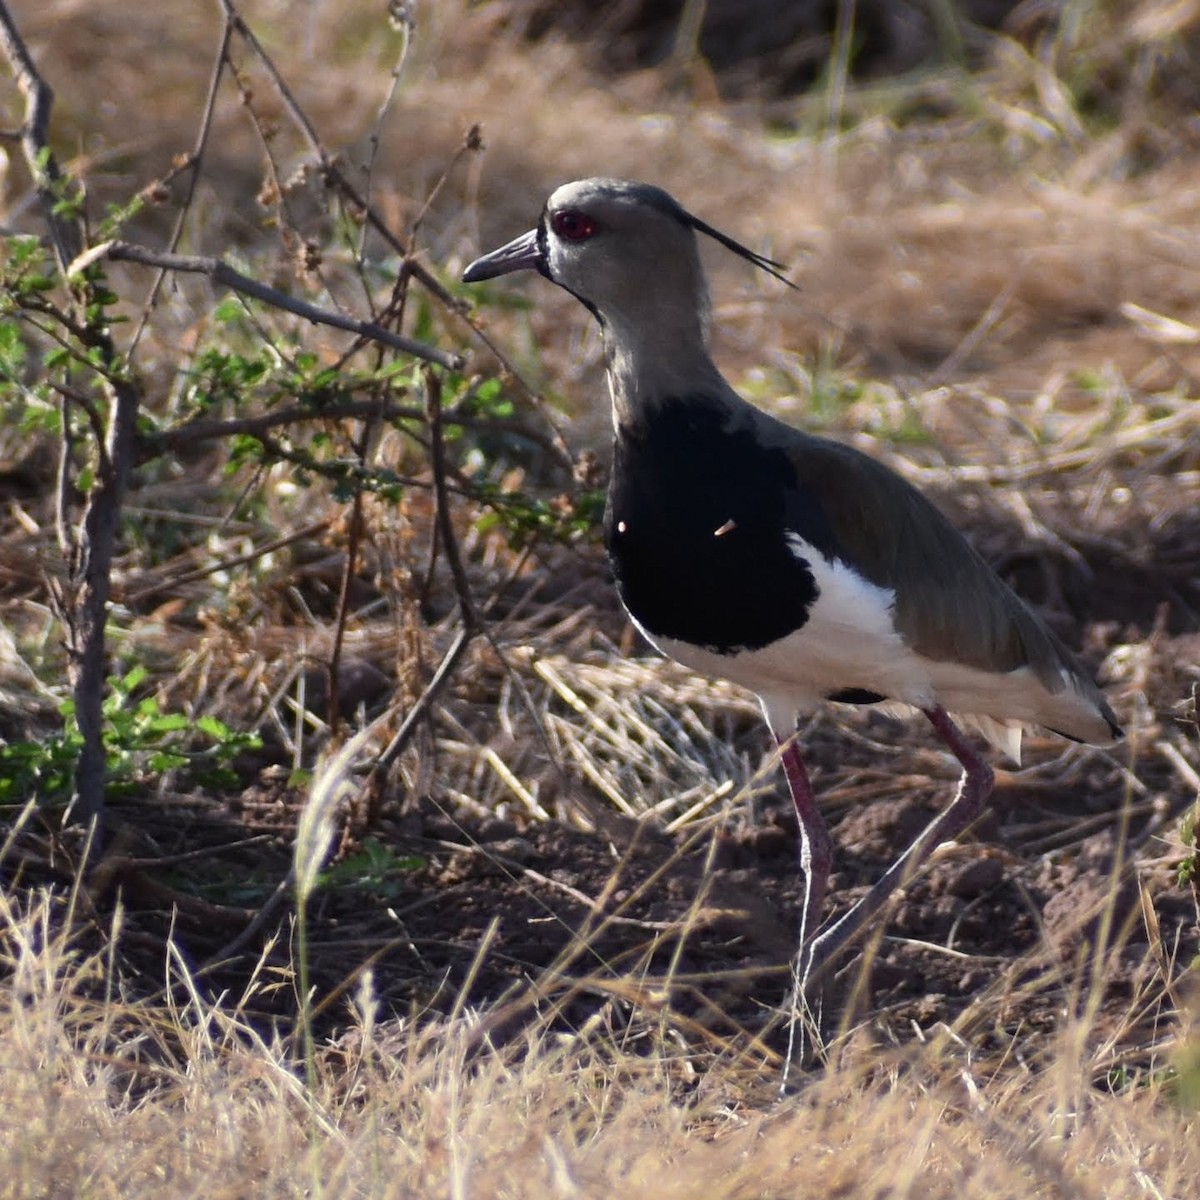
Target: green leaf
x,y
215,728
132,679
169,723
228,312
162,761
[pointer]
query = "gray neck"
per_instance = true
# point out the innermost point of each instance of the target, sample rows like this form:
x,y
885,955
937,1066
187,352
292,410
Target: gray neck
x,y
651,359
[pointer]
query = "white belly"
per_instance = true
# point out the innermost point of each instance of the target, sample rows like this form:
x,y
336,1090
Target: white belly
x,y
850,641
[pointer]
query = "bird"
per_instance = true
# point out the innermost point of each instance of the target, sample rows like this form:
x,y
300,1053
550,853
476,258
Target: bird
x,y
792,564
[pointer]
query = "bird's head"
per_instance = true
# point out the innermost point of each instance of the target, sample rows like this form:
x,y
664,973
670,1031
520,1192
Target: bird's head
x,y
624,249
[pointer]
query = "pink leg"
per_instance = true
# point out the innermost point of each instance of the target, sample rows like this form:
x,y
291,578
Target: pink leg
x,y
973,792
816,849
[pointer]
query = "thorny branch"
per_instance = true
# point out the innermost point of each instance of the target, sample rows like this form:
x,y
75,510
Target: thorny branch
x,y
90,542
336,177
226,564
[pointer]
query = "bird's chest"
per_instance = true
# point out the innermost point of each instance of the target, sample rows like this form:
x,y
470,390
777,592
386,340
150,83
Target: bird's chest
x,y
697,527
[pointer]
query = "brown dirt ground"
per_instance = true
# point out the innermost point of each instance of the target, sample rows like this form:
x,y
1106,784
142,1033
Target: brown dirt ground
x,y
597,915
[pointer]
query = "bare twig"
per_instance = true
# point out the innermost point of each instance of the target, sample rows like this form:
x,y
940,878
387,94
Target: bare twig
x,y
404,26
226,564
194,162
472,621
190,434
561,450
404,734
472,624
395,313
354,536
273,903
35,140
223,274
208,431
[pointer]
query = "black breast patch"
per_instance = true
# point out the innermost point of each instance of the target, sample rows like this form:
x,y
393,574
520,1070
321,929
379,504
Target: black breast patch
x,y
696,528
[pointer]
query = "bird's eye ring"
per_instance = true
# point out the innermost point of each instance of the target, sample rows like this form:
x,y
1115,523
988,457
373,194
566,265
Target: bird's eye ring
x,y
572,225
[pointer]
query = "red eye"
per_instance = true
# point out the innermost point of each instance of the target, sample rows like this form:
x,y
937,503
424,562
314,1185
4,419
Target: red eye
x,y
572,225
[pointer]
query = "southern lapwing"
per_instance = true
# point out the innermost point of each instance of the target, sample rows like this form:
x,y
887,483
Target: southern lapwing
x,y
791,564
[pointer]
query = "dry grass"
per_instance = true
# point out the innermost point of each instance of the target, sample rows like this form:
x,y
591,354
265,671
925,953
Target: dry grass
x,y
1003,303
110,1096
